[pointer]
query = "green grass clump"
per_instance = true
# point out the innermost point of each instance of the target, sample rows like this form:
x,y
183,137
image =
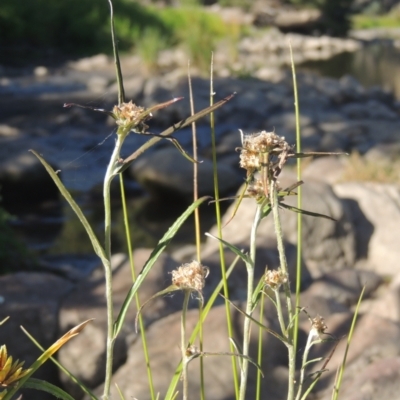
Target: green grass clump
x,y
205,29
376,21
73,26
77,27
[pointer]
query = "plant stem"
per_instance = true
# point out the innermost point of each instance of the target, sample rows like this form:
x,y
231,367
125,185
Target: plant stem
x,y
107,268
299,202
260,346
184,345
219,228
137,301
249,303
286,286
309,344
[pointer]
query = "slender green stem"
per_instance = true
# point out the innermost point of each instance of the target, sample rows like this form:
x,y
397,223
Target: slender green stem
x,y
249,304
137,301
309,344
281,318
107,268
260,346
286,286
185,363
197,226
299,203
219,227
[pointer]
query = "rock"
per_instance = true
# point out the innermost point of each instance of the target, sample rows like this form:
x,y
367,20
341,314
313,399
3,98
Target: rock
x,y
74,268
383,153
387,304
91,63
342,136
304,21
344,286
32,300
167,172
7,130
327,169
375,224
374,338
377,380
327,245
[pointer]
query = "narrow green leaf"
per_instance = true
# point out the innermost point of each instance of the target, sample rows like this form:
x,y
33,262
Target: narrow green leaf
x,y
305,212
338,383
258,323
119,392
33,383
162,244
234,249
95,242
182,151
121,92
316,154
169,289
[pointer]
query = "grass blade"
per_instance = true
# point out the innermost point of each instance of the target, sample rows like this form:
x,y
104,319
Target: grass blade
x,y
234,249
337,385
162,244
93,238
44,386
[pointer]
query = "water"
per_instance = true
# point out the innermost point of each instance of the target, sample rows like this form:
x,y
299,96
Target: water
x,y
375,64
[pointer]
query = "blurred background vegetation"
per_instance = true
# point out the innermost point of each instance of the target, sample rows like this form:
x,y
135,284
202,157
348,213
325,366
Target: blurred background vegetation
x,y
81,27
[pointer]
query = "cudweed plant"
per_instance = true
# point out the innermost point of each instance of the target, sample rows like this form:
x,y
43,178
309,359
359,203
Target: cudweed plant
x,y
263,155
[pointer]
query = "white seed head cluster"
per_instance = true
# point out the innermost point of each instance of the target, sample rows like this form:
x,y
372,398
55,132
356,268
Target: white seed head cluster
x,y
318,325
257,143
130,115
275,278
190,276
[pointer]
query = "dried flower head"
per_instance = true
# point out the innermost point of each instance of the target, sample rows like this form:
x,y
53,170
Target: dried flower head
x,y
263,142
10,371
255,188
131,116
275,278
190,276
318,326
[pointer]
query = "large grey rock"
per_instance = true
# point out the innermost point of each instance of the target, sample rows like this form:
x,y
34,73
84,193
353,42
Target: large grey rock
x,y
167,171
374,338
376,217
327,244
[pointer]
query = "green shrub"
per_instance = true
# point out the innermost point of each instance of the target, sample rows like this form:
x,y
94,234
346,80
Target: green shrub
x,y
74,26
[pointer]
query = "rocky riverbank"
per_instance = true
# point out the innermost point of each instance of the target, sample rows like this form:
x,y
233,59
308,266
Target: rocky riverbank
x,y
339,257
